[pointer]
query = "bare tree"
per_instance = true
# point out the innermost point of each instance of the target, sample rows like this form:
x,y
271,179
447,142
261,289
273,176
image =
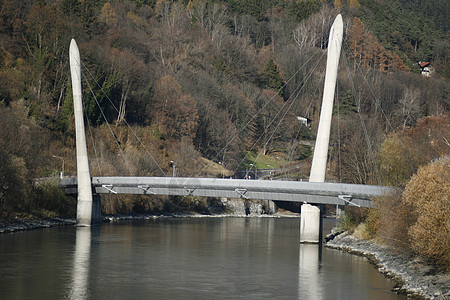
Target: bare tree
x,y
314,31
408,109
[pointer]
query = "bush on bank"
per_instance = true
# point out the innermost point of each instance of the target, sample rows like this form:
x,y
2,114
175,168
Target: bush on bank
x,y
418,219
49,201
427,194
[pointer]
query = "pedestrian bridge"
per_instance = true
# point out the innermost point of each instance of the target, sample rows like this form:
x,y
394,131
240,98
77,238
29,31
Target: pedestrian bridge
x,y
316,191
277,190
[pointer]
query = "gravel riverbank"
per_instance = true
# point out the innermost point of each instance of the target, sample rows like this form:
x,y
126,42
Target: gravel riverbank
x,y
19,225
31,224
413,275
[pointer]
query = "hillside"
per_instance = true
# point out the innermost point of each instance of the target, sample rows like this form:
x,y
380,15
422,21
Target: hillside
x,y
206,82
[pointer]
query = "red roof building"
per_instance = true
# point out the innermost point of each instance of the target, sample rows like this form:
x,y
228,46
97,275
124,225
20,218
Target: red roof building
x,y
426,69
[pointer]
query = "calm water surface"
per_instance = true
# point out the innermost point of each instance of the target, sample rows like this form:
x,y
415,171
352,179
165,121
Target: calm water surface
x,y
183,258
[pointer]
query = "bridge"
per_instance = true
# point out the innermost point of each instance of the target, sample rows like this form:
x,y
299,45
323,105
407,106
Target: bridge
x,y
276,190
316,191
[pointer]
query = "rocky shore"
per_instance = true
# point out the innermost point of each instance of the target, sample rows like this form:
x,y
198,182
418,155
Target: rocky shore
x,y
226,208
19,225
413,275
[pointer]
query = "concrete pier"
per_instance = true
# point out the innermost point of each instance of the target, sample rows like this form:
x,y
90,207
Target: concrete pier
x,y
311,228
84,201
310,224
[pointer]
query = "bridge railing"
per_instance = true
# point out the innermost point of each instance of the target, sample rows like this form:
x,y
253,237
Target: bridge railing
x,y
277,190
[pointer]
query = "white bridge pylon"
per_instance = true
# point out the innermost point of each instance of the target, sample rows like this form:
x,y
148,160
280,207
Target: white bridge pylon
x,y
84,198
318,192
310,226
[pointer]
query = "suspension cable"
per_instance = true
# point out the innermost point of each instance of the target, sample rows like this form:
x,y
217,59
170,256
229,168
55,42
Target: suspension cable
x,y
128,125
92,139
259,111
377,100
292,148
378,103
339,131
363,125
282,118
110,129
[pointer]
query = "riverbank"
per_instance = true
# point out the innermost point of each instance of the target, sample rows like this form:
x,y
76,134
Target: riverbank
x,y
31,224
114,218
413,275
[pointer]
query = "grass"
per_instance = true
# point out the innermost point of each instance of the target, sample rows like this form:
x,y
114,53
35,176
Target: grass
x,y
263,162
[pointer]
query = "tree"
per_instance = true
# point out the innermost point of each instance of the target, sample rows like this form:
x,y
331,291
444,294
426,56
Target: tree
x,y
43,38
355,158
403,152
13,183
129,71
353,4
396,160
314,31
269,106
409,106
272,77
175,113
337,4
302,9
369,52
427,194
170,12
108,15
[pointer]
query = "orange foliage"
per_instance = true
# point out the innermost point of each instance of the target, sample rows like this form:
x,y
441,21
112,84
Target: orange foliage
x,y
175,113
428,194
402,153
368,51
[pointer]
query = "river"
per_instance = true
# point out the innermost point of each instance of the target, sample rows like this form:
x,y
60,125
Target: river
x,y
183,258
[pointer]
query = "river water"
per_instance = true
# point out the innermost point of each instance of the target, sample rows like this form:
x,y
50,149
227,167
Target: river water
x,y
183,258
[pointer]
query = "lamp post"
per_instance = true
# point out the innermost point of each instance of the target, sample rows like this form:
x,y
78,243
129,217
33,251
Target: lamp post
x,y
223,169
252,165
62,172
172,163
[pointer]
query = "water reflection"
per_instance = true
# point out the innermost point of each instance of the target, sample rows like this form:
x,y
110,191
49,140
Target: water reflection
x,y
177,258
78,288
310,257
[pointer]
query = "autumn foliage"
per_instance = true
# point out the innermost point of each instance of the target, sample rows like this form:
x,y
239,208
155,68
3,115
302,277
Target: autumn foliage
x,y
416,219
368,51
428,196
403,152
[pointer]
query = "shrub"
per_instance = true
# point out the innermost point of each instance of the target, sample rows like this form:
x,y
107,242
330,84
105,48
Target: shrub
x,y
48,198
352,218
428,196
390,219
13,183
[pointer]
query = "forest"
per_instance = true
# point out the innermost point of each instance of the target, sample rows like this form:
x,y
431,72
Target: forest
x,y
217,87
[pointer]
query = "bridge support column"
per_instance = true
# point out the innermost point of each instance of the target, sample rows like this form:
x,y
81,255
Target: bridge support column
x,y
311,224
339,211
84,200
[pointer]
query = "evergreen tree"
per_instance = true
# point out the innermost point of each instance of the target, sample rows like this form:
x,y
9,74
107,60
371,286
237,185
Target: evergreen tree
x,y
301,10
272,77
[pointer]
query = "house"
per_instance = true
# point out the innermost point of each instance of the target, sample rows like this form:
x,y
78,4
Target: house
x,y
426,69
304,121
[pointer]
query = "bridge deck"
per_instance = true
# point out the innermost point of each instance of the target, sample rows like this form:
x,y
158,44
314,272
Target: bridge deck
x,y
296,191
